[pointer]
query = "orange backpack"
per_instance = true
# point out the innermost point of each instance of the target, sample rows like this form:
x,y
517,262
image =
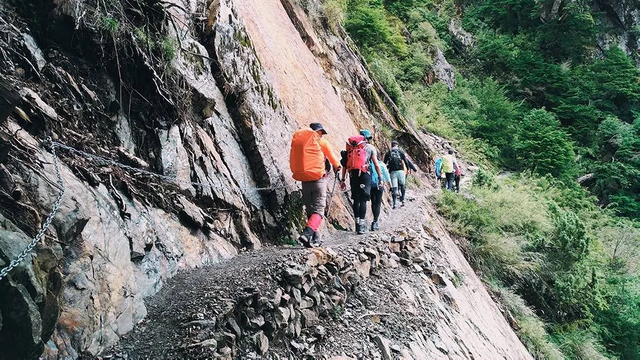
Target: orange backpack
x,y
306,158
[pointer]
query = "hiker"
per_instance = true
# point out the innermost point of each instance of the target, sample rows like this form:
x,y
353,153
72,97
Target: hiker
x,y
439,174
311,159
457,173
397,161
377,192
358,157
447,167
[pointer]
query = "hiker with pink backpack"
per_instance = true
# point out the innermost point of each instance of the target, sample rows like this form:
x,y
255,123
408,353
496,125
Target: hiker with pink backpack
x,y
356,159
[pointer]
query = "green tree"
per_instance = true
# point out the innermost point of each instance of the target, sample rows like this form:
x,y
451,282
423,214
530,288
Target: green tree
x,y
617,89
369,26
543,147
617,173
570,34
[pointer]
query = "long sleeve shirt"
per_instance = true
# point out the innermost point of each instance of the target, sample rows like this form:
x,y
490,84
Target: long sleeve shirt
x,y
385,173
328,153
405,160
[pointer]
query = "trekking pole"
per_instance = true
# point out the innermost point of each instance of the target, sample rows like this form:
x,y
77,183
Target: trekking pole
x,y
333,190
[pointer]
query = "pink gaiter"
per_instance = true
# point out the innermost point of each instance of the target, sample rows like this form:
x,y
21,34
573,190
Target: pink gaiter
x,y
314,222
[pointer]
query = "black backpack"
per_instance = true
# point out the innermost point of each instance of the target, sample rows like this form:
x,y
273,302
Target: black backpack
x,y
395,160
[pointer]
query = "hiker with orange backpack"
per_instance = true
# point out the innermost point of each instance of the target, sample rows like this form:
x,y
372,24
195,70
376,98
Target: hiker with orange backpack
x,y
357,158
308,162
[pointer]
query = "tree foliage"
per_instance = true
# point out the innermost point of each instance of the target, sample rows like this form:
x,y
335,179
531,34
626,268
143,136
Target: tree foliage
x,y
543,147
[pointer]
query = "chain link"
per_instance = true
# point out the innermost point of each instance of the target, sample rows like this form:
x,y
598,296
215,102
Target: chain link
x,y
47,222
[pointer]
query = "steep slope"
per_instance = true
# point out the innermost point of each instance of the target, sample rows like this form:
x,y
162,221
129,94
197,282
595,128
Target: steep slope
x,y
180,89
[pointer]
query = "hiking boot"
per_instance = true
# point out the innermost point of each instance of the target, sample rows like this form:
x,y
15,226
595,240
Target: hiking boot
x,y
361,227
403,203
375,226
315,240
306,237
394,206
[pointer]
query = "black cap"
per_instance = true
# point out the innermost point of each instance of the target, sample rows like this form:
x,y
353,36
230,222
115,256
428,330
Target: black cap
x,y
394,143
317,127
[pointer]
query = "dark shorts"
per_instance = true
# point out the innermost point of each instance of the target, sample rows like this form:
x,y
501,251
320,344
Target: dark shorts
x,y
360,185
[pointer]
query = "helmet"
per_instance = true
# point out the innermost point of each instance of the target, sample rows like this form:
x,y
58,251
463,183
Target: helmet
x,y
366,133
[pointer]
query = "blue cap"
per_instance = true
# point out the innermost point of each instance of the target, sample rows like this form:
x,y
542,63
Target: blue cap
x,y
366,133
317,127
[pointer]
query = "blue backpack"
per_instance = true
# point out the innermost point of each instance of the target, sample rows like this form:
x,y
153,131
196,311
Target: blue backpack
x,y
374,175
438,167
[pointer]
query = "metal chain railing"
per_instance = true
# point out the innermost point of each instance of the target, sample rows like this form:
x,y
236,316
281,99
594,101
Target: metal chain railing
x,y
47,222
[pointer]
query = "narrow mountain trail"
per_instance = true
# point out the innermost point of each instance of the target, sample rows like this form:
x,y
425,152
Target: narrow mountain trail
x,y
402,292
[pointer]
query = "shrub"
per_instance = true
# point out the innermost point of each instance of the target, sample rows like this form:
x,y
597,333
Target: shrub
x,y
543,147
531,329
334,11
369,26
384,72
580,345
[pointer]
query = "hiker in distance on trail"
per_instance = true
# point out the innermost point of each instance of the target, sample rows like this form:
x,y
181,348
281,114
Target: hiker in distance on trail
x,y
441,175
399,165
448,168
360,161
457,173
311,159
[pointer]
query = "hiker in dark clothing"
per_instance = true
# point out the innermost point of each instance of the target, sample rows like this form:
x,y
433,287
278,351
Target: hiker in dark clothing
x,y
457,173
397,161
377,192
358,157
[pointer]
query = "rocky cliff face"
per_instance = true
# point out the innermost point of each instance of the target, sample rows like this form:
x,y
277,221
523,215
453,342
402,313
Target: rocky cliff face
x,y
622,17
205,94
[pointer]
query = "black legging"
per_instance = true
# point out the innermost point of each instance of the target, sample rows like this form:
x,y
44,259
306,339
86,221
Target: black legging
x,y
359,208
376,202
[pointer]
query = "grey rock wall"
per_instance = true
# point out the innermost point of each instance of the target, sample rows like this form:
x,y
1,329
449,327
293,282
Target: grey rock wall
x,y
622,18
114,242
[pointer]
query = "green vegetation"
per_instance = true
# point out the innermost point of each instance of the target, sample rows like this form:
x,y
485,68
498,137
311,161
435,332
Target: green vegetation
x,y
572,262
535,96
110,25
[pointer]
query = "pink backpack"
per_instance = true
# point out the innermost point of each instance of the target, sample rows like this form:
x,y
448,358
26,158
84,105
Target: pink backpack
x,y
357,154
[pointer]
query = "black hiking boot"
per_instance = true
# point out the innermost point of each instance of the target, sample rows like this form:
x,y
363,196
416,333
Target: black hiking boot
x,y
306,237
315,240
361,226
375,226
